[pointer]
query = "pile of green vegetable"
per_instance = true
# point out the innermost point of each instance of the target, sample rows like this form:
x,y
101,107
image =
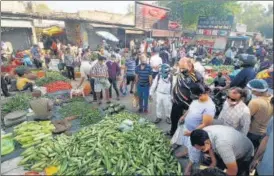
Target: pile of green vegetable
x,y
209,81
17,102
102,149
51,76
87,114
113,109
223,68
31,133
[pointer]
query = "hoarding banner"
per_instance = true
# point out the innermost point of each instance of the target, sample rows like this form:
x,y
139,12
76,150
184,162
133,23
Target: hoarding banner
x,y
147,16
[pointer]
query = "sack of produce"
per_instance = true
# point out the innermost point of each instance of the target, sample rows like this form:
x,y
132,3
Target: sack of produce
x,y
7,145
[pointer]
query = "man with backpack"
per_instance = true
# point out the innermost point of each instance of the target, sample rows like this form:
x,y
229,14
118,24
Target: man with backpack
x,y
163,88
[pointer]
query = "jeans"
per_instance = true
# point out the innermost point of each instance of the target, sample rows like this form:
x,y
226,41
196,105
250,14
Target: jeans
x,y
143,93
113,82
92,80
177,111
28,86
70,71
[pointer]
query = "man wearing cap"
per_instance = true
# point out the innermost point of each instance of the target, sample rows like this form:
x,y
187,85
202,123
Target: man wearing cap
x,y
162,86
260,109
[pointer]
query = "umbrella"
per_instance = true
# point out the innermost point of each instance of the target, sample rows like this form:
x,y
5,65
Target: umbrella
x,y
108,36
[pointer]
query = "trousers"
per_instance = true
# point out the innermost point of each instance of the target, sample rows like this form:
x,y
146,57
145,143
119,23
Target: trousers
x,y
177,111
163,105
143,93
113,82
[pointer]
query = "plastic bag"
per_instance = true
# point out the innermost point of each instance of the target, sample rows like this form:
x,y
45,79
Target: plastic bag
x,y
177,137
142,121
135,102
126,125
7,145
123,87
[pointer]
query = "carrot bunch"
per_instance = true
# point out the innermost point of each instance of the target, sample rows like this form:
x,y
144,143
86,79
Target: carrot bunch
x,y
57,86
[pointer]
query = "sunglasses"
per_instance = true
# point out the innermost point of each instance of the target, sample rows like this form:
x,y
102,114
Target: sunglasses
x,y
232,99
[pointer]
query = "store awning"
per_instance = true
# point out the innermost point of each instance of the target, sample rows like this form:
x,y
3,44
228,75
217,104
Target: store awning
x,y
16,23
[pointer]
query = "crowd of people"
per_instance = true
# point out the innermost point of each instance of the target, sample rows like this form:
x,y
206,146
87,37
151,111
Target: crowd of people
x,y
235,140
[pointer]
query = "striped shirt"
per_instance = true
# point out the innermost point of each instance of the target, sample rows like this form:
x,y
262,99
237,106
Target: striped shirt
x,y
143,75
131,66
99,70
229,143
181,91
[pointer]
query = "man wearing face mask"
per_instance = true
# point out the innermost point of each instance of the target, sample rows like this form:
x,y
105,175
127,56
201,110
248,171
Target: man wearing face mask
x,y
261,110
100,73
163,88
143,82
186,80
200,114
233,150
235,112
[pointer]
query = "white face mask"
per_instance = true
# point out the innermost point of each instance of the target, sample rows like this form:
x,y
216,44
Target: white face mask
x,y
231,103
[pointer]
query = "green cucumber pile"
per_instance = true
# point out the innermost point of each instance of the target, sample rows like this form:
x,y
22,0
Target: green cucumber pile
x,y
102,149
87,114
114,109
51,76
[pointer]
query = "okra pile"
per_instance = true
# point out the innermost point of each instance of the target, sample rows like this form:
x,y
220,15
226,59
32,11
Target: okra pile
x,y
102,149
88,115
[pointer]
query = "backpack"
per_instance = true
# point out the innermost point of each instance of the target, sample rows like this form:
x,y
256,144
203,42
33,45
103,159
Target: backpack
x,y
170,79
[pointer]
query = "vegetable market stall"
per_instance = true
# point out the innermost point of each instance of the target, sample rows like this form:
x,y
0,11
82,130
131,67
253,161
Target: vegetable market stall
x,y
103,148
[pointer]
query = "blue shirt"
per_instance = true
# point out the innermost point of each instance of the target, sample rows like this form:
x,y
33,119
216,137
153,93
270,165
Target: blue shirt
x,y
143,75
27,61
266,165
197,109
242,78
131,65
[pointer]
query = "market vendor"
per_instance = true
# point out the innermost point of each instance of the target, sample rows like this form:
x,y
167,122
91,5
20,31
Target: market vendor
x,y
42,107
23,83
27,61
4,86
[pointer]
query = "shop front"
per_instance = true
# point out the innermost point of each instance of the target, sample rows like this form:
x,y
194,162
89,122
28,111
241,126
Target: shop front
x,y
20,33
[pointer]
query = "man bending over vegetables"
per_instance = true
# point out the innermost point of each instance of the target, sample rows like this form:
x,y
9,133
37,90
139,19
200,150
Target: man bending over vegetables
x,y
42,107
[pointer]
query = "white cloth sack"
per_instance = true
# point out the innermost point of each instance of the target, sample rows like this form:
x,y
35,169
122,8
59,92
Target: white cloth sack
x,y
177,137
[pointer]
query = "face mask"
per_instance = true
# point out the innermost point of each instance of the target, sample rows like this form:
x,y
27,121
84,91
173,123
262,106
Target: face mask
x,y
185,71
194,97
231,103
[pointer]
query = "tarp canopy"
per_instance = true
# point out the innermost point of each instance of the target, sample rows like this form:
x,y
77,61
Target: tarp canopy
x,y
108,36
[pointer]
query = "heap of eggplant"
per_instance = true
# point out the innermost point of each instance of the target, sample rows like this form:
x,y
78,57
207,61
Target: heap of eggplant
x,y
113,108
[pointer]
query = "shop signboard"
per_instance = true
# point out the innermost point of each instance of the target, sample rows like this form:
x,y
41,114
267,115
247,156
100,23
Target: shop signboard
x,y
149,17
215,23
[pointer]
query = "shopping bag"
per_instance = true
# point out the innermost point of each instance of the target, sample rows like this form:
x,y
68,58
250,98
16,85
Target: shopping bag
x,y
7,145
177,138
123,87
135,102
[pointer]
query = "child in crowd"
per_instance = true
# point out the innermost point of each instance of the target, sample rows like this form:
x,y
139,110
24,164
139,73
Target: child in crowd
x,y
23,83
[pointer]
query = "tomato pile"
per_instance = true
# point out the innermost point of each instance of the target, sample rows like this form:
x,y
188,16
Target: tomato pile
x,y
57,86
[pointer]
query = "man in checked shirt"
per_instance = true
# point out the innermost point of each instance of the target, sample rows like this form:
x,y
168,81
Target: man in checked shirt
x,y
100,73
